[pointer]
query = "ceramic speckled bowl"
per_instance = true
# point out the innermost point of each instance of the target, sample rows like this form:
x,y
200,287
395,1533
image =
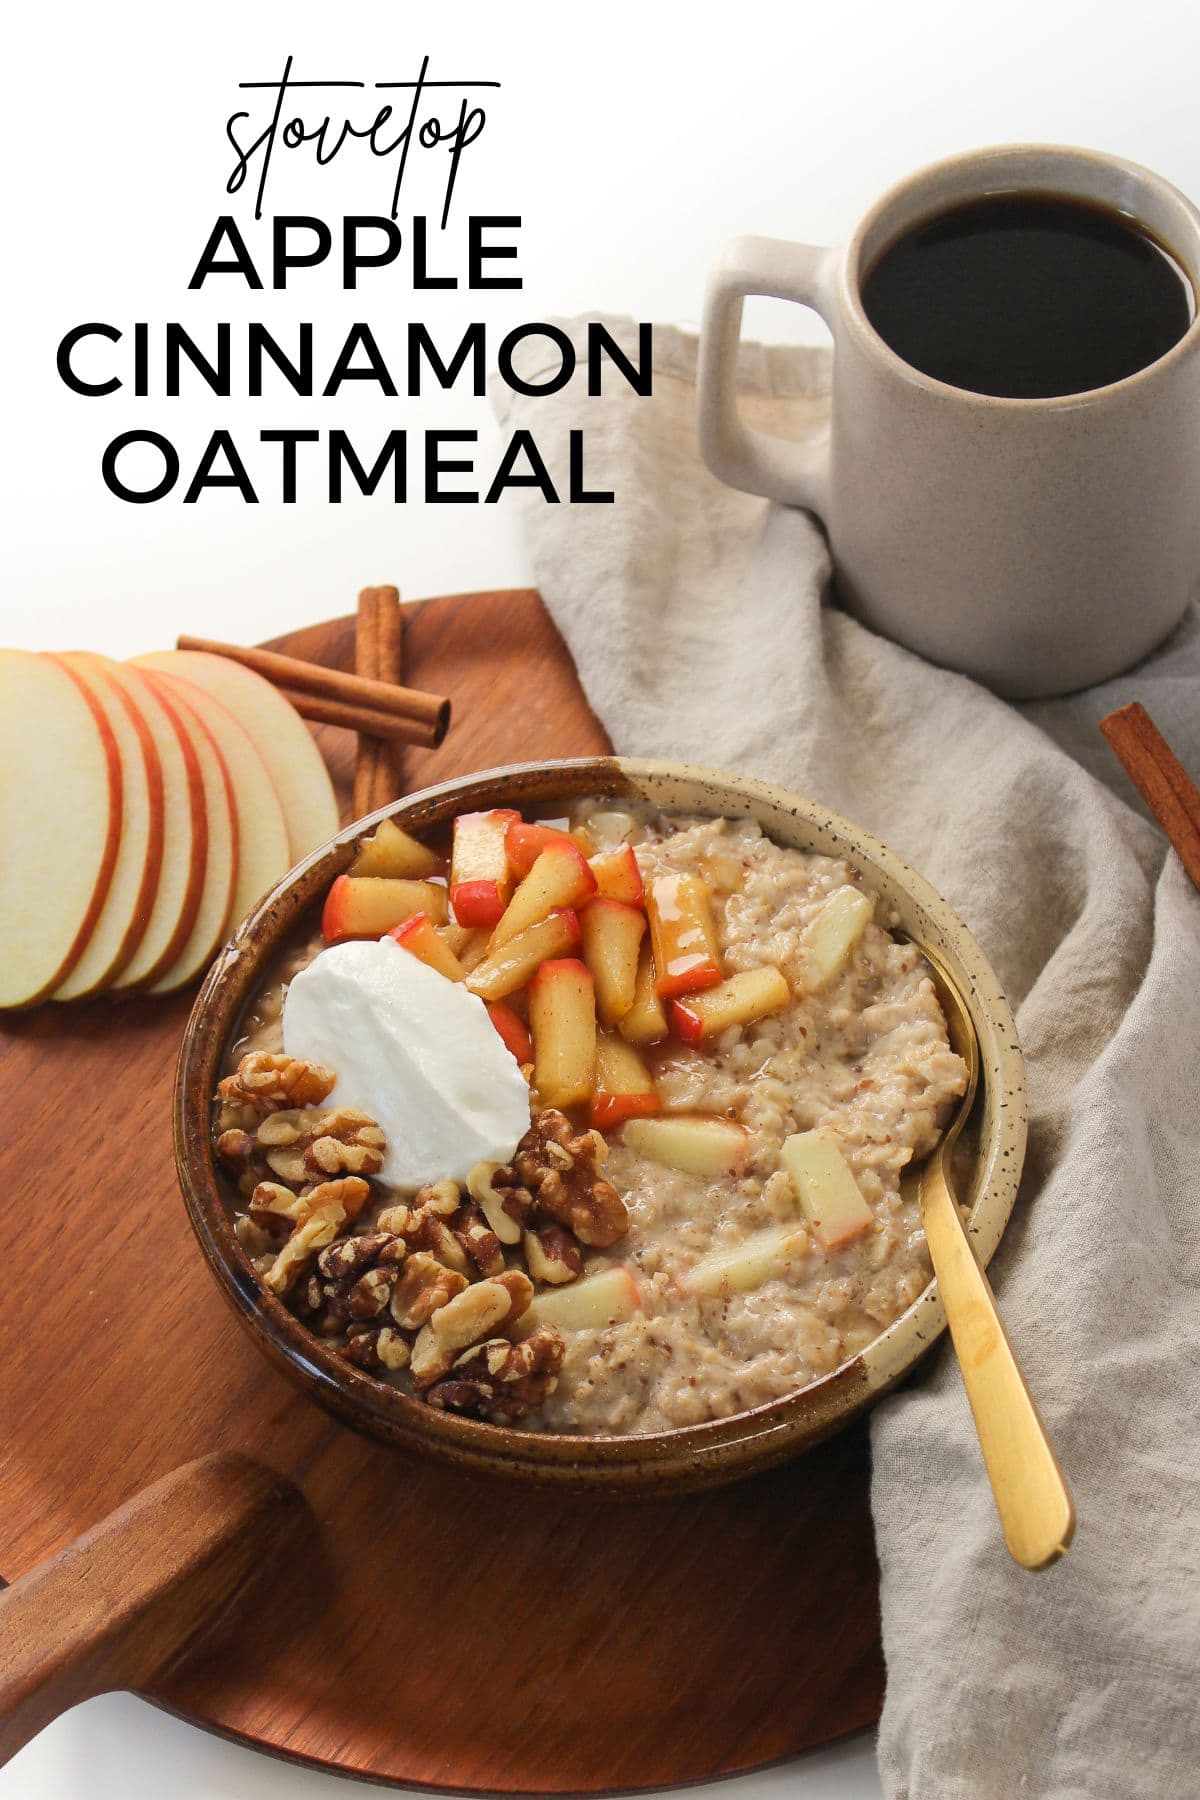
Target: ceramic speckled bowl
x,y
699,1455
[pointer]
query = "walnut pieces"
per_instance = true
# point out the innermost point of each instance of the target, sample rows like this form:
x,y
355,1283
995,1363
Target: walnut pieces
x,y
502,1381
423,1285
558,1166
265,1083
481,1309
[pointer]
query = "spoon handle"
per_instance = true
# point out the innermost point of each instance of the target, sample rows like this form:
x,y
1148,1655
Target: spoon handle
x,y
1036,1511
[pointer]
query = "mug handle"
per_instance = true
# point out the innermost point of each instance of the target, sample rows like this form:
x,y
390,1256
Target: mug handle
x,y
797,474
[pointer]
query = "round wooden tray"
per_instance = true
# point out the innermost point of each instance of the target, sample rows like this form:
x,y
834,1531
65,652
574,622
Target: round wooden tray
x,y
448,1633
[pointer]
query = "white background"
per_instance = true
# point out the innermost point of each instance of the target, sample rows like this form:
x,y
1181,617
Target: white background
x,y
633,139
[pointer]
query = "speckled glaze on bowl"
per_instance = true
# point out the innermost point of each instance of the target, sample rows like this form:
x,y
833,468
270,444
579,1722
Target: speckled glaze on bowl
x,y
653,1463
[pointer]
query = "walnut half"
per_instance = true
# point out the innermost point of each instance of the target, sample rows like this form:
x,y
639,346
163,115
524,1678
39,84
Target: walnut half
x,y
559,1168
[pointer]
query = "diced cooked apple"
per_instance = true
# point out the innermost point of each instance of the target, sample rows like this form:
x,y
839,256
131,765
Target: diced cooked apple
x,y
562,1021
686,957
369,906
609,1297
418,936
525,843
392,852
618,876
739,1000
692,1142
624,1085
469,944
739,1268
512,1030
612,938
830,940
646,1020
505,970
480,878
828,1194
560,877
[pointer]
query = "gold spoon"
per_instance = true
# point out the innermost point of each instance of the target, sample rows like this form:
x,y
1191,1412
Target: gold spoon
x,y
1033,1500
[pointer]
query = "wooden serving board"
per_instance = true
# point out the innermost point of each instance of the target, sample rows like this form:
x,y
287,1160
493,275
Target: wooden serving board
x,y
448,1632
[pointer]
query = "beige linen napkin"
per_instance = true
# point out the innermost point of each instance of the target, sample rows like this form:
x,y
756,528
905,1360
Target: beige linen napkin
x,y
695,616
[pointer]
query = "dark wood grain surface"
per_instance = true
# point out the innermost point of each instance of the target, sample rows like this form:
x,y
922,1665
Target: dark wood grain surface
x,y
441,1631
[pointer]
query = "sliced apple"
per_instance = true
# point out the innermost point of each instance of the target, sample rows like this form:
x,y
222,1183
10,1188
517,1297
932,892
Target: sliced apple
x,y
691,1142
609,1297
741,1268
684,936
560,877
624,1086
562,1023
126,910
369,906
175,903
618,876
392,852
261,827
418,936
480,878
830,940
612,937
288,750
505,970
512,1030
525,843
738,1000
222,849
829,1196
60,822
646,1020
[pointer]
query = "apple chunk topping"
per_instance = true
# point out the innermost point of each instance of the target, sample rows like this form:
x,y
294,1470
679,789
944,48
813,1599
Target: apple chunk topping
x,y
684,936
742,1267
830,940
612,937
369,906
646,1020
739,1000
693,1143
392,852
624,1085
559,878
609,1297
828,1194
562,1021
480,878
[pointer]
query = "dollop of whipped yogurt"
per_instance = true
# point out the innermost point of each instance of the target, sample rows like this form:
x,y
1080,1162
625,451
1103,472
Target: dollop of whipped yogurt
x,y
416,1051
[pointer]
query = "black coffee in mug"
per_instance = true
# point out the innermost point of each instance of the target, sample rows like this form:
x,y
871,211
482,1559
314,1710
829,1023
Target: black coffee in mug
x,y
1028,296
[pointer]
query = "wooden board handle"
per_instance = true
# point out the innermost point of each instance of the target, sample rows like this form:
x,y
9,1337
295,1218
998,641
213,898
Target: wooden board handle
x,y
143,1590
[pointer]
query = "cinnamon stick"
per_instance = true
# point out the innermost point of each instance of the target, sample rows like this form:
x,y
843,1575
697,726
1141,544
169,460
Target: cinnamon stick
x,y
378,655
368,719
431,711
1160,778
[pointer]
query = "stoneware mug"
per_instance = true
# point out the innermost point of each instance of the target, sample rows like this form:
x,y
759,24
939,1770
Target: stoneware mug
x,y
1040,545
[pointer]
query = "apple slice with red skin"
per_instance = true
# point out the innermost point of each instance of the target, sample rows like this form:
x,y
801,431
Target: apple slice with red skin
x,y
258,816
612,940
480,878
61,785
646,1020
739,1000
684,936
560,877
370,906
509,967
512,1030
624,1086
524,843
562,1023
176,900
418,936
222,848
294,765
618,876
126,910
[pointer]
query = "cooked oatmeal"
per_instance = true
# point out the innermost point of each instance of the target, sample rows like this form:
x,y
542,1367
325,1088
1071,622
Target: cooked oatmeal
x,y
863,1059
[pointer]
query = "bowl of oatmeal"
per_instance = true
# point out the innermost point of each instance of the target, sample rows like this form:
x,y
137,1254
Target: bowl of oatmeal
x,y
564,1122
